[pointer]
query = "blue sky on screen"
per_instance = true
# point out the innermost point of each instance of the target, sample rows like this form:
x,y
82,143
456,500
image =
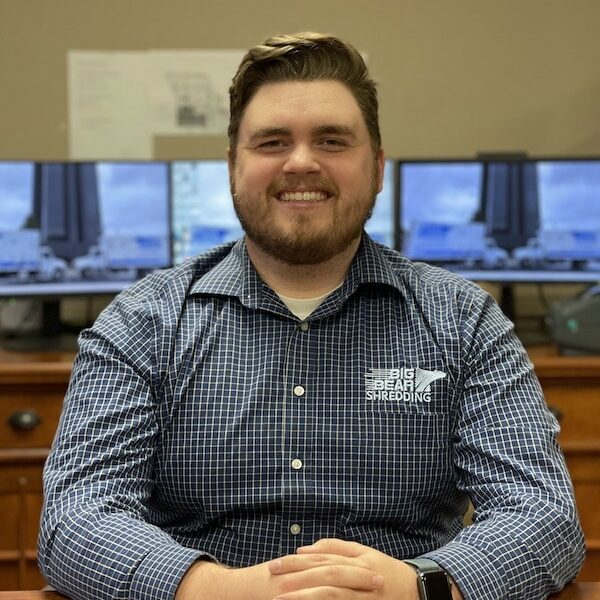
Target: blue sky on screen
x,y
440,192
133,198
16,188
570,195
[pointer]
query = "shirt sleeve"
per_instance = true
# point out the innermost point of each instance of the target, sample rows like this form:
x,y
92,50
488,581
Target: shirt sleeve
x,y
95,539
525,540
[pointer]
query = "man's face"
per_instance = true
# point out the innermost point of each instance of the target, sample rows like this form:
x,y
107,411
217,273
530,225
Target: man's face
x,y
305,177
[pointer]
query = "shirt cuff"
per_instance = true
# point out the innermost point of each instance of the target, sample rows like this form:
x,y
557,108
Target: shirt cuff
x,y
160,572
476,574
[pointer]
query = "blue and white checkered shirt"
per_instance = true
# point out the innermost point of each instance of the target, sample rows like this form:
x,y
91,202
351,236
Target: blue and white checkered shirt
x,y
204,419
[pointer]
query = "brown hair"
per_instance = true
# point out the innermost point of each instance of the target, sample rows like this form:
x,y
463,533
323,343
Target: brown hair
x,y
303,57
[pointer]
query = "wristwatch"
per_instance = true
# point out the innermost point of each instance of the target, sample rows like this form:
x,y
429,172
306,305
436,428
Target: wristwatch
x,y
432,580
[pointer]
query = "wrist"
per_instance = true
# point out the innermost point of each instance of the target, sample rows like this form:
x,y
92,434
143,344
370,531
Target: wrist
x,y
433,583
206,577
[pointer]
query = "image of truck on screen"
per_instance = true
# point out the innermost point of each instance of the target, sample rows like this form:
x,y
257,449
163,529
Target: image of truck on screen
x,y
559,249
464,244
24,258
122,254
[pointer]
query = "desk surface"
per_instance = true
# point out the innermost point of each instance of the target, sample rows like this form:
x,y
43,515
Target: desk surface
x,y
575,591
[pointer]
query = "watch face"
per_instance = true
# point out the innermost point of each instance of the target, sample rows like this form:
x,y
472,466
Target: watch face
x,y
436,586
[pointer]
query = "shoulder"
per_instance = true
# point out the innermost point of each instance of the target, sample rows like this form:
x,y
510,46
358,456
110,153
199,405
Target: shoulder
x,y
169,288
458,313
431,285
148,312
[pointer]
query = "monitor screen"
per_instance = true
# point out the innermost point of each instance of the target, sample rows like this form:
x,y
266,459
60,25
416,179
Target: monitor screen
x,y
81,228
381,224
522,220
203,215
202,212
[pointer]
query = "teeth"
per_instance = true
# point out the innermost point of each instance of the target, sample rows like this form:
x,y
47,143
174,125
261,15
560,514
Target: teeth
x,y
302,196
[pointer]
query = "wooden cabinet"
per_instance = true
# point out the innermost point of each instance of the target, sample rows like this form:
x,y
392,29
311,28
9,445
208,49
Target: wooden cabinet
x,y
572,389
32,388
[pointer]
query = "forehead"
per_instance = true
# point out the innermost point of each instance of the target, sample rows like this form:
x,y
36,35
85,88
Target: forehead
x,y
292,104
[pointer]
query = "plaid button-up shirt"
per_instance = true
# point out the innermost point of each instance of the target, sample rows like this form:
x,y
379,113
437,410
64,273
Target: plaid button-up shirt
x,y
204,420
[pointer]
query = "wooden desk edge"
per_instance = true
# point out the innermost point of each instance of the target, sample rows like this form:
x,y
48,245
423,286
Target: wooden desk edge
x,y
574,591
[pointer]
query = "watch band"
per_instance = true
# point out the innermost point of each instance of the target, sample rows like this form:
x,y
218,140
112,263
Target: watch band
x,y
432,580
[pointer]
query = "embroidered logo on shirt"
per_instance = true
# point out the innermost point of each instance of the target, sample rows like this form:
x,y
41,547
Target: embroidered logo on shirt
x,y
405,384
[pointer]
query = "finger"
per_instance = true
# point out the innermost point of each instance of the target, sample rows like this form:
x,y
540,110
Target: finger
x,y
324,593
301,562
333,546
337,576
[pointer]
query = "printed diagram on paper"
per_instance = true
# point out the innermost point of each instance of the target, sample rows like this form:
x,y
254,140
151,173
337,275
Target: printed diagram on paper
x,y
190,90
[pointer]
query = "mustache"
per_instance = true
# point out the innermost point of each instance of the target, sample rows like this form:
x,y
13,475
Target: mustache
x,y
302,182
286,183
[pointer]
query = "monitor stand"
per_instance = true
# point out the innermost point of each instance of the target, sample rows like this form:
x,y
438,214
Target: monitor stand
x,y
51,336
507,301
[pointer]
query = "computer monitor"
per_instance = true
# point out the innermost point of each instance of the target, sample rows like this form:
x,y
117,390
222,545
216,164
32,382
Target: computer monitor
x,y
203,215
81,228
503,220
381,224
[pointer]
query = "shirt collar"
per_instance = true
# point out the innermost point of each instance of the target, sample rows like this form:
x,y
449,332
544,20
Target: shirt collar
x,y
232,276
372,266
235,275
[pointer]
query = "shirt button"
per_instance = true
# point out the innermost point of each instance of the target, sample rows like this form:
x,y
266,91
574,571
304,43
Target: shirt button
x,y
304,326
298,391
296,464
295,529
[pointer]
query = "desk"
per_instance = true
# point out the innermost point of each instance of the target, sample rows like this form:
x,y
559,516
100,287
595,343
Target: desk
x,y
575,591
32,388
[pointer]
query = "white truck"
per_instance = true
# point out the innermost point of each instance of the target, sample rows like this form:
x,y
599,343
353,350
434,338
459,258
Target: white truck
x,y
465,243
22,256
559,249
134,254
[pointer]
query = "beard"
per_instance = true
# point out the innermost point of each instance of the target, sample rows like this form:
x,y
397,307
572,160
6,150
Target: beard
x,y
302,240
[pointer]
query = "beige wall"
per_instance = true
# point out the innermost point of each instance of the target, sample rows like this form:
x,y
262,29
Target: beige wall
x,y
456,76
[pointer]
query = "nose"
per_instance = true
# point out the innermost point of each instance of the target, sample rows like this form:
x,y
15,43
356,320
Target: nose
x,y
301,159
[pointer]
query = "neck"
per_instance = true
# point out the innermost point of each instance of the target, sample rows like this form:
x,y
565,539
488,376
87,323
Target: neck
x,y
301,281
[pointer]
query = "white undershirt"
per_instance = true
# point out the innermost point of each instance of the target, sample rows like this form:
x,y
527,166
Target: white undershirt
x,y
303,307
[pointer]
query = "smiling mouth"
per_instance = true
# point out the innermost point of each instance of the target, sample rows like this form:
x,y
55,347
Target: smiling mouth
x,y
303,196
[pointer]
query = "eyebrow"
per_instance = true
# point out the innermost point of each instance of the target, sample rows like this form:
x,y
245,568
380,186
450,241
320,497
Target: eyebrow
x,y
332,129
269,132
335,130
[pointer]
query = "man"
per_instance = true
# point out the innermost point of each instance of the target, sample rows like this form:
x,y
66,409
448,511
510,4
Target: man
x,y
296,415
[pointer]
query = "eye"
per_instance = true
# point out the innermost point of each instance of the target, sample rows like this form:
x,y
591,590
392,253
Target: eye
x,y
334,144
271,145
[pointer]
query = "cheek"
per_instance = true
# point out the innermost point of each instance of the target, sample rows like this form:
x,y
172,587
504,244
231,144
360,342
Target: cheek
x,y
353,181
252,176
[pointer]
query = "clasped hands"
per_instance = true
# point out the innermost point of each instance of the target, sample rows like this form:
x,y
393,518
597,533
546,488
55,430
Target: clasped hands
x,y
328,569
333,568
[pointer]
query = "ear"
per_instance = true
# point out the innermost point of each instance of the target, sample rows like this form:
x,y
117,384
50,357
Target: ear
x,y
380,168
230,166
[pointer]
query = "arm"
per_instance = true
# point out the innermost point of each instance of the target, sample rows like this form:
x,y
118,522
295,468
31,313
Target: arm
x,y
345,571
525,541
95,539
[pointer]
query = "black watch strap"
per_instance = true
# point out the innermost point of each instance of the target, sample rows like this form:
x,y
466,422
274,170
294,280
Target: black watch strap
x,y
432,580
